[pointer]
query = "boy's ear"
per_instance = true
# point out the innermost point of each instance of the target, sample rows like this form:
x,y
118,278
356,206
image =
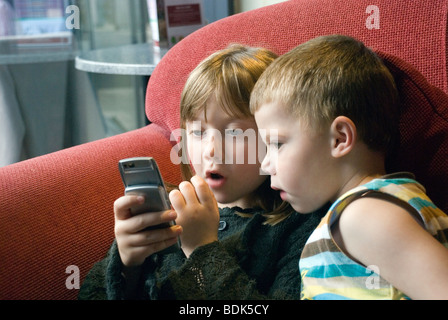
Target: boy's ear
x,y
343,136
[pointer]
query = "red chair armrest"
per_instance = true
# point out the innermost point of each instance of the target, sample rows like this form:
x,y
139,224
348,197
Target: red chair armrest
x,y
57,211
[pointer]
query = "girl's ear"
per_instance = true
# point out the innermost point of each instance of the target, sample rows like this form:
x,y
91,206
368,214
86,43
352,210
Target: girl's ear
x,y
343,136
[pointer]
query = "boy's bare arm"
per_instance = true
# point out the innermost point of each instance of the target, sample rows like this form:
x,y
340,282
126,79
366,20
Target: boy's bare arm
x,y
377,232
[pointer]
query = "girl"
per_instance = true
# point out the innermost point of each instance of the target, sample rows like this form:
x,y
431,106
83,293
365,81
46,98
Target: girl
x,y
239,239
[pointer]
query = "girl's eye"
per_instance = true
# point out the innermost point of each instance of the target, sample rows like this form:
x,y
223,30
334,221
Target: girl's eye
x,y
196,133
234,132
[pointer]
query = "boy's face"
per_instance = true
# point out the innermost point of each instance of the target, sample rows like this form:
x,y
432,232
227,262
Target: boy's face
x,y
298,159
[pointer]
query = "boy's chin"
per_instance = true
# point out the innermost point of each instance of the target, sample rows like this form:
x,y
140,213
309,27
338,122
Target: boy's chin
x,y
302,208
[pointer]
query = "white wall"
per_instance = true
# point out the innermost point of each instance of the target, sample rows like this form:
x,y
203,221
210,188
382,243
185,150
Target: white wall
x,y
246,5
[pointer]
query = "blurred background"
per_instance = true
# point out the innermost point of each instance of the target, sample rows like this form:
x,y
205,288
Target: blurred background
x,y
57,89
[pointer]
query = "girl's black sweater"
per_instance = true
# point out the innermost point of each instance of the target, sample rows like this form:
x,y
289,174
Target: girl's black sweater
x,y
251,260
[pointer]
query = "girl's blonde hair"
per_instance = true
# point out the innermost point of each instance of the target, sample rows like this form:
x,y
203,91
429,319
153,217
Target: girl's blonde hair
x,y
230,74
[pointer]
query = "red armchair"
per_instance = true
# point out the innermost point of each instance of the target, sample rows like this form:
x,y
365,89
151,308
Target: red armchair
x,y
56,215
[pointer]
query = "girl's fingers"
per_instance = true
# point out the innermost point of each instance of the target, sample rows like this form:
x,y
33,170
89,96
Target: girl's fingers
x,y
189,193
154,237
142,221
123,205
192,193
177,199
135,255
203,192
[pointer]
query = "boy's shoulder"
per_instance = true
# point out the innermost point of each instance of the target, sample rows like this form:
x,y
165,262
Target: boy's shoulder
x,y
372,222
399,189
380,200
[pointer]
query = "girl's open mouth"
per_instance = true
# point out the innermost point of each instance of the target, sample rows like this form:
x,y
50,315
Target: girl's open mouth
x,y
215,179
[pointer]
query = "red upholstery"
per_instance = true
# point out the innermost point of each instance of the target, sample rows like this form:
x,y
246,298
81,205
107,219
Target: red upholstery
x,y
415,31
56,210
423,146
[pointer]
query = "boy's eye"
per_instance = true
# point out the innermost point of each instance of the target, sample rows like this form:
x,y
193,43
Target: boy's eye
x,y
275,144
234,132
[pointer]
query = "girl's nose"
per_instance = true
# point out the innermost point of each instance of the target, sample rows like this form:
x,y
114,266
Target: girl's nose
x,y
213,148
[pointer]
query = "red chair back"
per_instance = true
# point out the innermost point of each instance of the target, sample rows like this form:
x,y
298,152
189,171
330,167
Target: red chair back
x,y
415,32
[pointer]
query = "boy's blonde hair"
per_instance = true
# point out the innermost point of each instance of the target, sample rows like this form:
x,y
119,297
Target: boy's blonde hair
x,y
333,76
230,75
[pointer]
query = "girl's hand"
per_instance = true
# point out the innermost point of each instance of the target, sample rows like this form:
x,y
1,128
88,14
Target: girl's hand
x,y
135,243
197,212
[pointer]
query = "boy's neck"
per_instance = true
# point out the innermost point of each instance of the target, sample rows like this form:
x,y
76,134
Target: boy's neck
x,y
360,168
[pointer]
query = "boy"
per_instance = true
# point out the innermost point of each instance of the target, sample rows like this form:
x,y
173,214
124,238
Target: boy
x,y
332,107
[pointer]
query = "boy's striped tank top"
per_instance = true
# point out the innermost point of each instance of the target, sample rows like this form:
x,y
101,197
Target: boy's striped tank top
x,y
327,273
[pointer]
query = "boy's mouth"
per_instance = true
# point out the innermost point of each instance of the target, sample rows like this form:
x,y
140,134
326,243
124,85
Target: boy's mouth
x,y
282,193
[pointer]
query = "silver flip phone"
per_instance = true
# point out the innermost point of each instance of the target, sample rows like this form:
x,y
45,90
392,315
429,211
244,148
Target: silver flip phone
x,y
141,176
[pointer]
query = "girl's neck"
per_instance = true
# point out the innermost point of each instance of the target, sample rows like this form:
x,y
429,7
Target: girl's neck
x,y
243,203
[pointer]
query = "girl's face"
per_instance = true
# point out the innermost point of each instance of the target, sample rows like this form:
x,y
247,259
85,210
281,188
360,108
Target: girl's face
x,y
224,151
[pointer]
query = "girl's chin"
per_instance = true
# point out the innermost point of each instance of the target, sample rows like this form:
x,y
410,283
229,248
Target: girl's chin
x,y
224,202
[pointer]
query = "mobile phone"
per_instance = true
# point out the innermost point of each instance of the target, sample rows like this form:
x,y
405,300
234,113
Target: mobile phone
x,y
141,176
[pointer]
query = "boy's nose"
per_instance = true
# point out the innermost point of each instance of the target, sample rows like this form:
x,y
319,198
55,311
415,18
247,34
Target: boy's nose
x,y
266,165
